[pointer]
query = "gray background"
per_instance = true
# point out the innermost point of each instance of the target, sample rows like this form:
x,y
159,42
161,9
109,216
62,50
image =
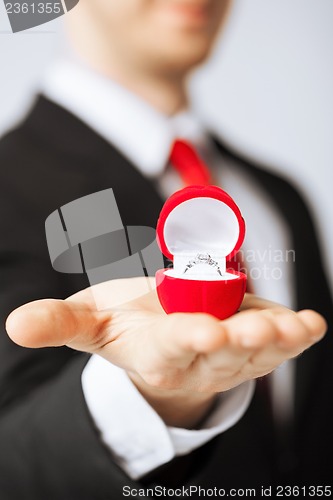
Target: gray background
x,y
267,89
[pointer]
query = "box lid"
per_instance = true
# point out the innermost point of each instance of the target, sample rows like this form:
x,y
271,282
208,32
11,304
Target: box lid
x,y
200,219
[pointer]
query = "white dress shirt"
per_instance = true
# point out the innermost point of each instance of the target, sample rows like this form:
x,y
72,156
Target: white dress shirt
x,y
137,437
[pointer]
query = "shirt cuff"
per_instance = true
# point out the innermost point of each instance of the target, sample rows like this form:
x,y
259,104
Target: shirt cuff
x,y
136,435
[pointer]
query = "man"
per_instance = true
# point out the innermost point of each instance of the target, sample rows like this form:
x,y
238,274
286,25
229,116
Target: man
x,y
77,427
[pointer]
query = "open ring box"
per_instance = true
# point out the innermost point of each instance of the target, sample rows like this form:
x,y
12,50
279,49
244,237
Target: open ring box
x,y
200,228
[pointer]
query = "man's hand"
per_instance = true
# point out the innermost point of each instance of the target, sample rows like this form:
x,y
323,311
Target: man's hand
x,y
178,361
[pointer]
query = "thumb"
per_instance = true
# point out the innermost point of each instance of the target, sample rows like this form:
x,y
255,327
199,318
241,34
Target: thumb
x,y
54,323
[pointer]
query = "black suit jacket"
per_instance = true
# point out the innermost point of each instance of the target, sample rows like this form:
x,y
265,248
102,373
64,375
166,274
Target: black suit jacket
x,y
49,447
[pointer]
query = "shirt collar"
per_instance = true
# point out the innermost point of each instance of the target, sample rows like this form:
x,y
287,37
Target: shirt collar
x,y
144,135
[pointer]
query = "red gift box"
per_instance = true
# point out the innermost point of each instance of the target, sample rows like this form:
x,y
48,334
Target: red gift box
x,y
200,228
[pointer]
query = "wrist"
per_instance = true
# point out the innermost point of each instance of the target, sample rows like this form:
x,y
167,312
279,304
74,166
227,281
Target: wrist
x,y
177,407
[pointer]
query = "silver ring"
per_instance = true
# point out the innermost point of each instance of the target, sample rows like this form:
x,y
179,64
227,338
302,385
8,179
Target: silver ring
x,y
203,258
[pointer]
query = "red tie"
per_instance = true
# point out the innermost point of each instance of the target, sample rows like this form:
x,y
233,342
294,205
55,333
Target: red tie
x,y
188,164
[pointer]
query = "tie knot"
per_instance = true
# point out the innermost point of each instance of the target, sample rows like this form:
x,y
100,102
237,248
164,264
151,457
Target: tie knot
x,y
187,162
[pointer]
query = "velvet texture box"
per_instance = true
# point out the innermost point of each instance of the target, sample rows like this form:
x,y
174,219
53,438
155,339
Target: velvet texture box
x,y
200,228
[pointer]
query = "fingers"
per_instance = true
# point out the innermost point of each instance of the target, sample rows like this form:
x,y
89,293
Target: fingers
x,y
254,328
245,333
250,330
295,332
314,322
49,322
259,341
183,334
239,336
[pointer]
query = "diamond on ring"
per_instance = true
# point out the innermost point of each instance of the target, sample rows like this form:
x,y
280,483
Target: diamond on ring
x,y
203,258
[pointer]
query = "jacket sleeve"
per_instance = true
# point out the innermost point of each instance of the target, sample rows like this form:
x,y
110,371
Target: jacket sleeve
x,y
25,270
50,447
